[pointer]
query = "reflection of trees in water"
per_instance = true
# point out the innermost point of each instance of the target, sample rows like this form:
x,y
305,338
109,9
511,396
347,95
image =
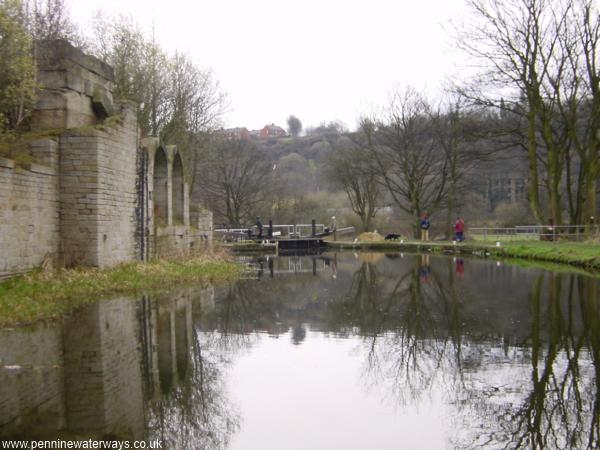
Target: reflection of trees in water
x,y
274,307
558,406
196,412
542,394
411,330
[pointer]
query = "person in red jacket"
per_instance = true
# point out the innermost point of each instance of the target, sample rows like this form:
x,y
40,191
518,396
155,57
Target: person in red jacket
x,y
459,230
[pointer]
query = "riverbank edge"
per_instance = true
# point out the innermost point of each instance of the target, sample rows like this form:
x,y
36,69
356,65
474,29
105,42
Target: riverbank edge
x,y
48,295
581,255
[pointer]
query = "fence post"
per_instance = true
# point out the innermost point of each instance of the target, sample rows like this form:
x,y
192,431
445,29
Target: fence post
x,y
313,228
270,229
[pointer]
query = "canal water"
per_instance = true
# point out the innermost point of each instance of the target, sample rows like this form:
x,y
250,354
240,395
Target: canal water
x,y
331,351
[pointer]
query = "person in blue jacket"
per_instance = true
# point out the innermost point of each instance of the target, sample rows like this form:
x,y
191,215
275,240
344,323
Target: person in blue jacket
x,y
425,224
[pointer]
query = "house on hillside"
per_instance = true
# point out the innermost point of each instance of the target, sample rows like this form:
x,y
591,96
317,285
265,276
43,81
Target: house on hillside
x,y
272,131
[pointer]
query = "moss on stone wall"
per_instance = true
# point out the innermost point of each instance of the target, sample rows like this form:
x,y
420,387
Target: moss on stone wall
x,y
16,146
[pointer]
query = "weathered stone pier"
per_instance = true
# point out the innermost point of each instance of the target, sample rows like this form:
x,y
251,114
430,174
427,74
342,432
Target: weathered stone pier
x,y
91,191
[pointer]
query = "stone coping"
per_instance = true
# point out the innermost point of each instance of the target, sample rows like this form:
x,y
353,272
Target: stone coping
x,y
38,168
55,52
31,167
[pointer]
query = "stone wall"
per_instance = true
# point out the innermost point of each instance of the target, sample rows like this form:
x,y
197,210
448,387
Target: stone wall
x,y
98,194
29,213
181,241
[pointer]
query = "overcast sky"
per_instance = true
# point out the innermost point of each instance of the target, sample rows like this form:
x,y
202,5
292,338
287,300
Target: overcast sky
x,y
320,60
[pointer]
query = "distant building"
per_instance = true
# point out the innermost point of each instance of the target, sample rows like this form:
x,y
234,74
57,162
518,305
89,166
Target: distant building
x,y
235,133
272,131
503,180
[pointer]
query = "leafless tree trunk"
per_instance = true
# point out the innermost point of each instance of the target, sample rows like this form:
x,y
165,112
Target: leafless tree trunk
x,y
236,178
351,168
407,156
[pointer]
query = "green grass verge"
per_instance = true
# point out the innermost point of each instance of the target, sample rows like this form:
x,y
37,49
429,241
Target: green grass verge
x,y
48,295
581,254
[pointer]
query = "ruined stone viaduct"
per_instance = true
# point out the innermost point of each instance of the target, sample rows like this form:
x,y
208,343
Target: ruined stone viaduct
x,y
90,190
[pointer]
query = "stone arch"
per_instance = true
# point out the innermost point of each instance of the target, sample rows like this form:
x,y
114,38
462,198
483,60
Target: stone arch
x,y
160,196
178,190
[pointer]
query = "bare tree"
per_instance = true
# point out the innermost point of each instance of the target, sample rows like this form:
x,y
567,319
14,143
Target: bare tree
x,y
463,137
578,104
350,166
236,177
142,69
177,100
195,104
540,63
49,20
407,156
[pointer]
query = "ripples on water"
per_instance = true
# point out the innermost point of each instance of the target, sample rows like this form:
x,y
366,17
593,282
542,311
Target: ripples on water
x,y
352,351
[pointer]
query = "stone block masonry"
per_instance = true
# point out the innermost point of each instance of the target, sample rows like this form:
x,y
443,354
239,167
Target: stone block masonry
x,y
29,212
98,194
77,88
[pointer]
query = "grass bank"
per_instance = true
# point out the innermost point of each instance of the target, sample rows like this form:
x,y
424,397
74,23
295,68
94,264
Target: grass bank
x,y
580,254
47,295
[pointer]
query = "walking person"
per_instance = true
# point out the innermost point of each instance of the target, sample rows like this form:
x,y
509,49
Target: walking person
x,y
259,227
459,230
425,224
333,227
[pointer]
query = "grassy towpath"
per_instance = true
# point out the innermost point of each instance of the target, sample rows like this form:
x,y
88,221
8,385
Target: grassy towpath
x,y
48,295
580,254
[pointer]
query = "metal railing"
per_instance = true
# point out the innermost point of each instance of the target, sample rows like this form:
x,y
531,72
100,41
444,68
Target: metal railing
x,y
534,232
285,231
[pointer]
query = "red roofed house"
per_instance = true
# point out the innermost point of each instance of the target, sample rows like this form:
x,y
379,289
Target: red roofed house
x,y
271,131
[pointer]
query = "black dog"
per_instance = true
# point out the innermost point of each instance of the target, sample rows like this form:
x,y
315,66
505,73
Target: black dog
x,y
391,237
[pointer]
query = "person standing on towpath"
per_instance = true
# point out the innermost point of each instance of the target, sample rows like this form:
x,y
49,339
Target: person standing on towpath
x,y
259,227
425,224
459,230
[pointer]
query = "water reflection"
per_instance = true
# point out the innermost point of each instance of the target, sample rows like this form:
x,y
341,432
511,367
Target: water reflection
x,y
507,356
187,406
119,369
